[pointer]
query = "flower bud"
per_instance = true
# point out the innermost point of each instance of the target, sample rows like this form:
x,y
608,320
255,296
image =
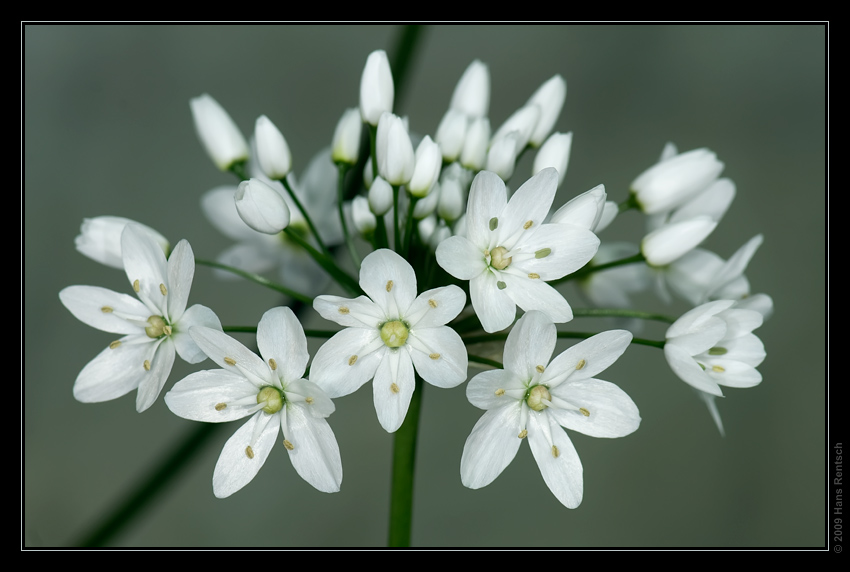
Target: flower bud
x,y
584,210
364,220
218,133
428,204
452,201
472,92
523,121
261,207
380,197
428,161
451,133
394,150
346,141
501,158
474,153
376,88
555,152
669,183
666,244
272,151
550,98
100,239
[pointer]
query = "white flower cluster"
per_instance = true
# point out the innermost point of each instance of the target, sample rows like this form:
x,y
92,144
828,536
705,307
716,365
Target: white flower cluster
x,y
442,227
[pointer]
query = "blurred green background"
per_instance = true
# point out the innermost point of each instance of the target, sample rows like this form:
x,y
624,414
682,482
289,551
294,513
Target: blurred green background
x,y
107,130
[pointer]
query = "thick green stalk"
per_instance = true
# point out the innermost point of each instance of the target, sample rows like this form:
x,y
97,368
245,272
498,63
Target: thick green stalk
x,y
404,460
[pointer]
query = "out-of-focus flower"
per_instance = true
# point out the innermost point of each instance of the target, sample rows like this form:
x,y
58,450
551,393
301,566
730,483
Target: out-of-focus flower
x,y
273,153
219,135
346,141
261,207
549,98
555,152
394,150
100,239
672,181
428,162
376,88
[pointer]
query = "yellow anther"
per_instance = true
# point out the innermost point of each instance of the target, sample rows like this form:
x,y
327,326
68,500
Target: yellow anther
x,y
289,446
309,401
540,369
527,224
220,406
500,392
584,411
352,360
522,434
580,364
432,302
389,285
114,344
249,452
718,368
394,388
555,451
147,365
434,356
534,275
167,330
343,309
163,289
272,364
229,361
136,286
106,309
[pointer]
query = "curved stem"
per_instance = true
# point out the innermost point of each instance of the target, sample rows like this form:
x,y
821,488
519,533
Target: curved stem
x,y
404,459
396,233
306,216
326,262
471,340
620,313
587,270
485,361
343,169
408,231
258,279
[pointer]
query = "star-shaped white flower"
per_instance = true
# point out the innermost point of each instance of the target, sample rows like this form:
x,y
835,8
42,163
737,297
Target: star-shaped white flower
x,y
534,398
389,334
508,254
272,392
155,327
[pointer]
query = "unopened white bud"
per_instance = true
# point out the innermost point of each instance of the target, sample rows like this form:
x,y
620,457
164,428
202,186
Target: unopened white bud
x,y
364,219
428,204
100,239
380,196
452,201
428,162
671,182
218,133
550,98
451,133
272,150
668,243
474,154
394,150
472,92
346,141
261,207
584,210
501,158
376,88
523,121
555,152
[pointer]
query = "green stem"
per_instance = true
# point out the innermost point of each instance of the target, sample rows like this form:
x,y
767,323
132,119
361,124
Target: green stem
x,y
480,339
628,204
485,361
408,232
253,330
355,258
381,240
587,270
396,233
404,460
326,262
238,169
258,279
620,313
306,216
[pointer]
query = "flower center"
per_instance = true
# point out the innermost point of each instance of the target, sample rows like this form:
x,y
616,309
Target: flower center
x,y
498,260
158,327
272,397
394,333
536,396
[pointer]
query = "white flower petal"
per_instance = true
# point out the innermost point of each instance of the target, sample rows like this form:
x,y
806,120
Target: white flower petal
x,y
530,202
461,258
154,380
664,245
196,396
196,315
392,388
144,261
112,373
86,303
562,473
235,468
734,373
317,401
612,411
694,318
281,338
444,361
748,349
583,211
231,355
530,344
487,199
436,307
340,367
689,371
251,256
496,310
701,339
491,446
570,248
482,391
595,355
389,280
220,210
360,312
181,271
534,294
315,453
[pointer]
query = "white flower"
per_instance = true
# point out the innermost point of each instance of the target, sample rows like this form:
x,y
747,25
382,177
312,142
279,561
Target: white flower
x,y
376,88
671,241
508,254
534,398
451,134
555,152
549,98
523,122
261,207
475,144
428,162
273,153
219,135
346,141
100,239
471,95
362,216
380,196
390,332
154,327
270,389
674,180
713,345
584,210
394,150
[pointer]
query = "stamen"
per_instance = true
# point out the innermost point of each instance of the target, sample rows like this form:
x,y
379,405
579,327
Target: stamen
x,y
394,388
717,351
106,310
584,411
534,275
272,364
494,223
581,363
229,361
434,356
309,400
249,452
540,369
352,360
432,302
501,285
389,285
523,434
343,310
220,406
527,224
289,446
555,451
718,368
147,365
114,344
543,253
167,330
500,392
136,287
163,289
